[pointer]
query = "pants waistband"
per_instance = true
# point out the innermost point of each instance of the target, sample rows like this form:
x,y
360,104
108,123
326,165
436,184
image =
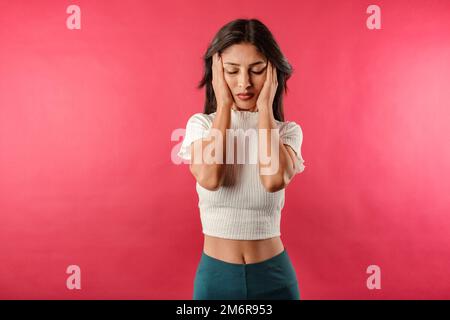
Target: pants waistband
x,y
278,259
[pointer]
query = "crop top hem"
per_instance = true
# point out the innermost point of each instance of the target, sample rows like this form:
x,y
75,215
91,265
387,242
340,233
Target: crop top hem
x,y
240,224
242,237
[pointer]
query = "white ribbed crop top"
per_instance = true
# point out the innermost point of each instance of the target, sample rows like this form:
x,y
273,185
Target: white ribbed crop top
x,y
241,208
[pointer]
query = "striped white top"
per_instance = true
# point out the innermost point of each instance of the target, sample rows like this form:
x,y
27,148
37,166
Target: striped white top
x,y
241,208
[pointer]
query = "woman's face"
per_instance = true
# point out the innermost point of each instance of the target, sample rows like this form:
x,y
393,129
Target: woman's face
x,y
244,72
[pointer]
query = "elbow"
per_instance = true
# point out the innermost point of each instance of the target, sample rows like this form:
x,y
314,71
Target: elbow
x,y
274,187
210,182
273,183
277,182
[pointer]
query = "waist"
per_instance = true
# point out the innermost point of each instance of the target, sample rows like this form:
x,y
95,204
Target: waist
x,y
242,251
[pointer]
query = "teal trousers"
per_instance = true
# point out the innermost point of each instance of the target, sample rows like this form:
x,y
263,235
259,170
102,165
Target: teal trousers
x,y
274,278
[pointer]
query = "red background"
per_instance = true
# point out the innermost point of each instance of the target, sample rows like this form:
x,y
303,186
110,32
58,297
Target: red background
x,y
86,175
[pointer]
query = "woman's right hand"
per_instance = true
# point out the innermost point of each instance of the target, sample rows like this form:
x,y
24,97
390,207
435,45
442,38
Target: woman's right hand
x,y
221,90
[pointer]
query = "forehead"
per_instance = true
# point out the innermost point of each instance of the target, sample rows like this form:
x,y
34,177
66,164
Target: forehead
x,y
242,54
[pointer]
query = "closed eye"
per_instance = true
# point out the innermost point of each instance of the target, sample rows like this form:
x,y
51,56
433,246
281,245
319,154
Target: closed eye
x,y
254,72
259,72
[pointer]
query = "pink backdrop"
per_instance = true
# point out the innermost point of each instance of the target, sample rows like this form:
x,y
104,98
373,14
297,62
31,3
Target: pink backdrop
x,y
86,116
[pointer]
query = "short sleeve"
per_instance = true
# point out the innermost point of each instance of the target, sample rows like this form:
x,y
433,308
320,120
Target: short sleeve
x,y
197,127
291,134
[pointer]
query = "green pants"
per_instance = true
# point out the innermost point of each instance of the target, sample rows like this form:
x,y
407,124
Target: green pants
x,y
274,278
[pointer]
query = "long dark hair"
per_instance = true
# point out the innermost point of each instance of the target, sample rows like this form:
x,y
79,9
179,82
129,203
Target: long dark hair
x,y
247,31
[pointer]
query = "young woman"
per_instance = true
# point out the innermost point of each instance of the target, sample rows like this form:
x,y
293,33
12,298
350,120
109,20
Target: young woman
x,y
240,204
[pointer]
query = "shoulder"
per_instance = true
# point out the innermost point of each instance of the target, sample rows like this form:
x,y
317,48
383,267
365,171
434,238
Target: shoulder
x,y
289,128
202,119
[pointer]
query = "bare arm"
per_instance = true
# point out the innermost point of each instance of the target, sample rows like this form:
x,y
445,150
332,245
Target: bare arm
x,y
281,168
210,176
286,165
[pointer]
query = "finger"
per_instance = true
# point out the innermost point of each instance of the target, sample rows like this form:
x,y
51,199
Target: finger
x,y
214,66
275,80
220,65
269,72
221,70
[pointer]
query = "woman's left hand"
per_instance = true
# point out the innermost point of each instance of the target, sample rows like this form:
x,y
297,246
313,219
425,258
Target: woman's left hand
x,y
267,94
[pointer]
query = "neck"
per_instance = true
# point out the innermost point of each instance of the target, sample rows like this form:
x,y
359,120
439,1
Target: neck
x,y
236,108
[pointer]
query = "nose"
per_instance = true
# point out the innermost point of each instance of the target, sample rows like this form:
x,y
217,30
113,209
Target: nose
x,y
244,80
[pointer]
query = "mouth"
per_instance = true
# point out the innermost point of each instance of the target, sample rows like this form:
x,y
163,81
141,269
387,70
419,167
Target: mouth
x,y
244,97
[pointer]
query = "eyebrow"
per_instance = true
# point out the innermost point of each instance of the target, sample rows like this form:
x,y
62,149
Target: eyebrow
x,y
252,64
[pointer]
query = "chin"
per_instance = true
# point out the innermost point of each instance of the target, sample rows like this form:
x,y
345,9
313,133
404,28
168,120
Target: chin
x,y
245,104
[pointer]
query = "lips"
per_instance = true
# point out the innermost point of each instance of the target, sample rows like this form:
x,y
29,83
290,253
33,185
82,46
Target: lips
x,y
247,96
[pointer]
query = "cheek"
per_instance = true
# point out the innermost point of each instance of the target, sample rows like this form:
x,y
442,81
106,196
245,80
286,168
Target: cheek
x,y
259,83
230,81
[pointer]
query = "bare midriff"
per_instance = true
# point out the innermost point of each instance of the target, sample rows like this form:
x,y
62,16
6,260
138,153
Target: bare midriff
x,y
242,251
